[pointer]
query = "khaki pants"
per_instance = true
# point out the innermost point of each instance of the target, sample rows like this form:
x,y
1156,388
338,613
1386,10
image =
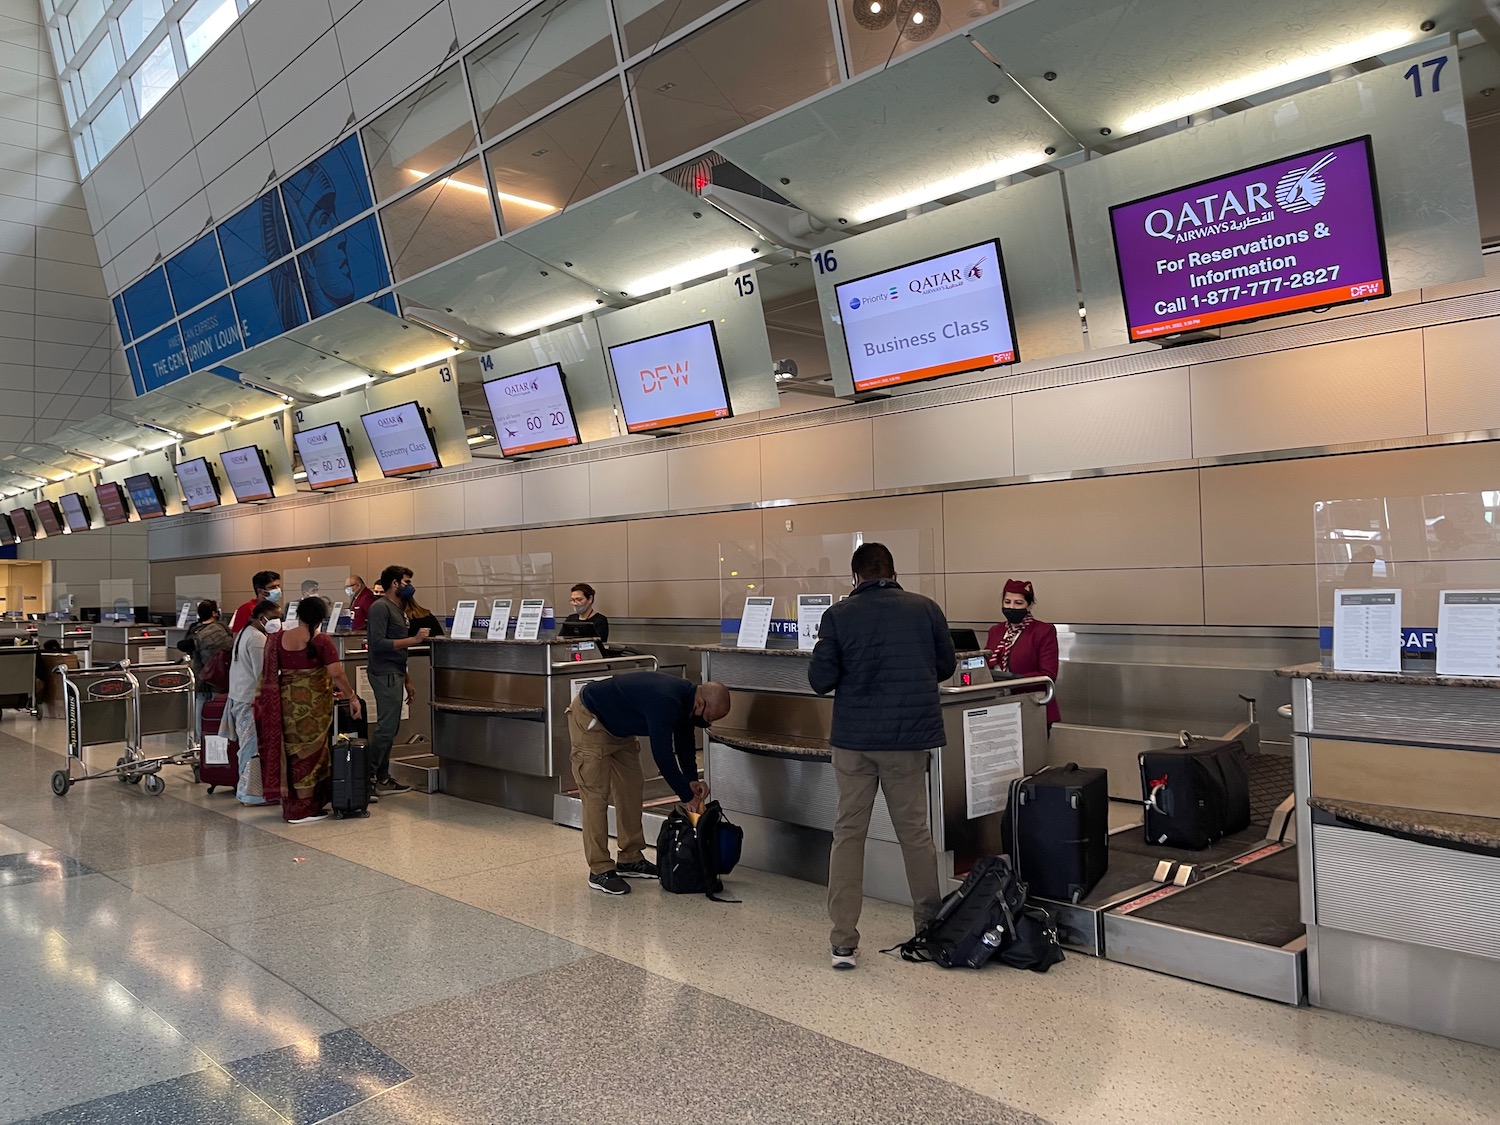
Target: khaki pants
x,y
902,776
605,766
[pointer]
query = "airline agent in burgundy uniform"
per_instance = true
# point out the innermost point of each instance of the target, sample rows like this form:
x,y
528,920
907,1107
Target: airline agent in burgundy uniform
x,y
1022,645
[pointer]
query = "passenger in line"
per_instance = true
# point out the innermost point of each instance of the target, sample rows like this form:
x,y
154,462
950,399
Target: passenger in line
x,y
886,651
390,636
1023,645
267,585
361,598
582,597
299,677
204,640
603,725
239,709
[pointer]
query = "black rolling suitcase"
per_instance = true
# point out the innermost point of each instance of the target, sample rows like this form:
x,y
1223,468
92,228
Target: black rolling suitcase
x,y
1057,829
351,777
1195,795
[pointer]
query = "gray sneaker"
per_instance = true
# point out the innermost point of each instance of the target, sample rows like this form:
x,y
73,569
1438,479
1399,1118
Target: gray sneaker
x,y
640,869
390,785
845,958
609,883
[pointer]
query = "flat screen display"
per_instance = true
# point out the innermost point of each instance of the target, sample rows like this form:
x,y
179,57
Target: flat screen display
x,y
146,494
199,488
532,411
23,525
671,379
941,316
7,530
75,511
249,474
325,456
112,504
402,439
49,517
1298,233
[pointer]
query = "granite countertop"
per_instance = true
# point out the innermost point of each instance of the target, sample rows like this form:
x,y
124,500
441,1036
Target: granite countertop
x,y
515,710
486,641
776,745
1457,828
1408,679
805,654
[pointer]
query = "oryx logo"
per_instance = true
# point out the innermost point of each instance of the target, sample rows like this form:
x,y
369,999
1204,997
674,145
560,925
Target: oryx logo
x,y
976,271
1302,189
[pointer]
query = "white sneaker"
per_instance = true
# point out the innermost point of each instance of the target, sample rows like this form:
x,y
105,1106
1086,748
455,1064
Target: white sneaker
x,y
845,958
309,819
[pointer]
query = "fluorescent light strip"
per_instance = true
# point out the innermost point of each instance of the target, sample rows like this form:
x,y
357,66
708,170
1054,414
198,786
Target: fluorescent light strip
x,y
505,196
426,361
348,385
949,185
553,318
691,271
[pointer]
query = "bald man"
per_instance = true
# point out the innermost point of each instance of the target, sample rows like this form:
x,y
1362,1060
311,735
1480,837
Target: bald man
x,y
604,723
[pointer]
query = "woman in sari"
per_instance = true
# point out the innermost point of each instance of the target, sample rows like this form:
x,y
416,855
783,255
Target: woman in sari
x,y
294,714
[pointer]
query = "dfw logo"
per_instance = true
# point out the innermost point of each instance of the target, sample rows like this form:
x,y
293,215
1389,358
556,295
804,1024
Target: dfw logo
x,y
1299,190
664,375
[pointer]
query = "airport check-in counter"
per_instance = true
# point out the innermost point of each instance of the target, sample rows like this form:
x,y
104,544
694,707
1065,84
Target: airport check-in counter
x,y
499,716
74,636
1398,814
416,728
139,644
770,765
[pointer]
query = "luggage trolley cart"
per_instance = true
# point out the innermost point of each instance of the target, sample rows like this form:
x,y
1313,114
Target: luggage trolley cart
x,y
120,704
18,678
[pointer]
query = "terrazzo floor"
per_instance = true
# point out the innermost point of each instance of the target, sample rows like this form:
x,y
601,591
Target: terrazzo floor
x,y
183,959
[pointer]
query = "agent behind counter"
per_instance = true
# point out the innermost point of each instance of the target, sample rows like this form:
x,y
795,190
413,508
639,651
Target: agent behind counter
x,y
1023,644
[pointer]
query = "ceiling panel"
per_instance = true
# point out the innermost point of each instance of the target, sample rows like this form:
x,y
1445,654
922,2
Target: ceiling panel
x,y
374,339
501,289
919,131
286,365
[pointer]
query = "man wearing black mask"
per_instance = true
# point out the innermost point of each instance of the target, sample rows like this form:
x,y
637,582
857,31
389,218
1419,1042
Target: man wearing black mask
x,y
389,682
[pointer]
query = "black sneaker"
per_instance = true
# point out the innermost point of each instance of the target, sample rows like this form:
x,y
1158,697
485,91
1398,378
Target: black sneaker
x,y
390,785
640,869
610,883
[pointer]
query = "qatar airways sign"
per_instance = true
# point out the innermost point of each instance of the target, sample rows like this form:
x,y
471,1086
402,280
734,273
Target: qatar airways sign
x,y
1297,233
670,380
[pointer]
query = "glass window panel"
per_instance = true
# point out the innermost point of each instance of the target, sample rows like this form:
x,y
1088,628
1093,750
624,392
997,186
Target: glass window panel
x,y
737,70
98,69
569,155
445,219
557,48
157,75
204,23
902,25
138,20
111,125
424,132
84,17
81,154
644,23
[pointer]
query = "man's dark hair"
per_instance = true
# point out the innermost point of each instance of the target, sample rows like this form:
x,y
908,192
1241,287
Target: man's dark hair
x,y
207,608
264,608
391,577
583,588
872,561
309,586
264,578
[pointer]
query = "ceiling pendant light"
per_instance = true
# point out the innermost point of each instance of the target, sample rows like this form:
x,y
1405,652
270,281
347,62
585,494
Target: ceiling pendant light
x,y
874,15
919,19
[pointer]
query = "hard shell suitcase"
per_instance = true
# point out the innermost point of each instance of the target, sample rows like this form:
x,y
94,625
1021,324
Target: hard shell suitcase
x,y
1057,830
228,774
1195,795
351,777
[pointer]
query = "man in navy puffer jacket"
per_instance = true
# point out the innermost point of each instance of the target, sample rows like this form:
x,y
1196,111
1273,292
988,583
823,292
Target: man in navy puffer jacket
x,y
885,651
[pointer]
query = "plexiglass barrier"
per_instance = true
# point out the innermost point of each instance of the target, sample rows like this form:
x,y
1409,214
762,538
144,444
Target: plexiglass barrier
x,y
484,578
190,589
117,600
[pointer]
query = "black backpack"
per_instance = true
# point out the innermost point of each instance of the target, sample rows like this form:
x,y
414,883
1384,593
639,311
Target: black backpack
x,y
692,858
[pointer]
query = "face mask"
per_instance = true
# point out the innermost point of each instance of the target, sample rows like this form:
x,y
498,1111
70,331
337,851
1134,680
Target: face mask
x,y
273,625
273,595
1015,616
407,592
700,721
348,591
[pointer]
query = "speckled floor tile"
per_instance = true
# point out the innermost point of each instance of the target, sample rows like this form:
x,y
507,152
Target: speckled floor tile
x,y
12,841
89,913
209,1097
38,866
375,956
316,1079
601,1041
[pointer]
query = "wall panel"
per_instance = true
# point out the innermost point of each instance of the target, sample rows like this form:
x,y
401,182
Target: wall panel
x,y
702,476
558,493
1462,390
1260,595
1161,596
1131,421
590,553
628,486
965,441
683,547
825,460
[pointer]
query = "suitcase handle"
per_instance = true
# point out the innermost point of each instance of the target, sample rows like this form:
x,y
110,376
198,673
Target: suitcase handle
x,y
1150,801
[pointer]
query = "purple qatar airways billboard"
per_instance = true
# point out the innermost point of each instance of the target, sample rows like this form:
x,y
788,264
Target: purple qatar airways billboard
x,y
1297,233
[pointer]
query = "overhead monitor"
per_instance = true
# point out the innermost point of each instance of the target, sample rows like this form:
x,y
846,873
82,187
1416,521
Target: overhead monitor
x,y
943,315
7,530
23,524
50,517
249,473
113,505
402,439
75,511
1297,233
146,494
200,488
532,411
325,456
671,379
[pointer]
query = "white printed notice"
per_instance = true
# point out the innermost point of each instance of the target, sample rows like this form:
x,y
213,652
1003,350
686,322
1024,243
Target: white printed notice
x,y
499,619
185,616
755,622
992,756
810,611
1367,630
1468,641
463,620
335,615
529,621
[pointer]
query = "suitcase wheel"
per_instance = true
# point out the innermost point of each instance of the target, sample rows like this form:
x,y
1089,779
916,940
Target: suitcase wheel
x,y
211,788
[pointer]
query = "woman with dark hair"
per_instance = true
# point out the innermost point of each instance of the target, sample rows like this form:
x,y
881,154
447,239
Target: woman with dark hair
x,y
294,713
584,613
1023,645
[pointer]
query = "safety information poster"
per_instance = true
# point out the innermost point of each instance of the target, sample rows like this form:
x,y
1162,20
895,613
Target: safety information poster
x,y
529,623
810,611
499,619
992,756
1367,630
1468,633
463,620
755,623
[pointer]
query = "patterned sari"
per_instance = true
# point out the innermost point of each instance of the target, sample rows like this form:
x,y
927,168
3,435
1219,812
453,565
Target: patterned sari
x,y
293,714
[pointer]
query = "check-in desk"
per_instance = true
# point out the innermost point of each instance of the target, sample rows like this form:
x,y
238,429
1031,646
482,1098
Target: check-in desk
x,y
139,644
499,716
414,735
770,765
1398,824
72,636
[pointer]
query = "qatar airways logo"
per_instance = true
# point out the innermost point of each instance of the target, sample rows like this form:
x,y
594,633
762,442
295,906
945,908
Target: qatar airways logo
x,y
662,375
1238,209
317,439
391,421
947,279
526,388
